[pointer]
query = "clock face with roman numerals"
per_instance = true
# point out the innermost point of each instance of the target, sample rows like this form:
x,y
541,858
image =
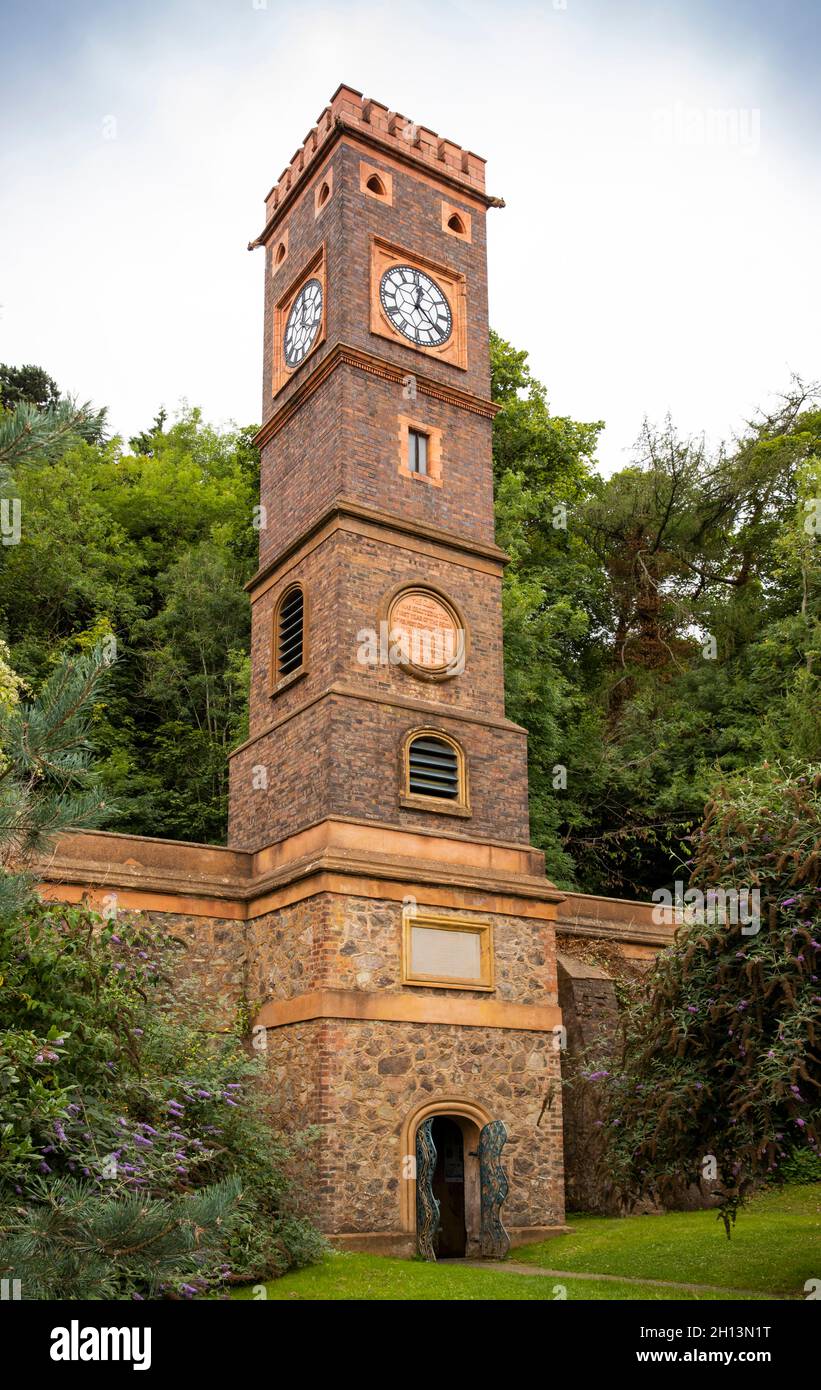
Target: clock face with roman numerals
x,y
303,324
416,306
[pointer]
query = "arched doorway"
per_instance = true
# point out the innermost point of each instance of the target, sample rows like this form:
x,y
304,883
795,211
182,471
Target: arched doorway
x,y
449,1188
459,1136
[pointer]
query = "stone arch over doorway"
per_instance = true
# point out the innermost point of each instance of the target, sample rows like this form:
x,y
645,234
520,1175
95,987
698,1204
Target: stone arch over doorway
x,y
470,1117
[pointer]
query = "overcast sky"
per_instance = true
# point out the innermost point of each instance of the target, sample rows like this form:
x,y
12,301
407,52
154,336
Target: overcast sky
x,y
659,249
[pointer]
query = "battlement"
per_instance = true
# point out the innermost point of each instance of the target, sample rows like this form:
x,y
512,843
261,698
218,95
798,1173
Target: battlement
x,y
350,111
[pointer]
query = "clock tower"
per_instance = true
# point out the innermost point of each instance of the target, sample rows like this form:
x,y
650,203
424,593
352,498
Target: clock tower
x,y
402,956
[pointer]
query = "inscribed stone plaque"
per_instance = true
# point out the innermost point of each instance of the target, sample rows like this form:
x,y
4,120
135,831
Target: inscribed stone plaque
x,y
448,954
426,629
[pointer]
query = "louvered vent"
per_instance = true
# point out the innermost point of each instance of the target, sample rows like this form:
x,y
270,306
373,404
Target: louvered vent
x,y
433,768
290,633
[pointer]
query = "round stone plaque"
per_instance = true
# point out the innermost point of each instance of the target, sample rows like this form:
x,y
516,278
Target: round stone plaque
x,y
427,632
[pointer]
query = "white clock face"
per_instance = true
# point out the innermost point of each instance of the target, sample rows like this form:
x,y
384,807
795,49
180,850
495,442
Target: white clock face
x,y
303,324
416,306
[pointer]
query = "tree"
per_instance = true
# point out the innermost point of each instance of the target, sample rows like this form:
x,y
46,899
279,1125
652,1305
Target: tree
x,y
109,540
543,474
703,656
28,433
146,441
47,779
31,385
721,1072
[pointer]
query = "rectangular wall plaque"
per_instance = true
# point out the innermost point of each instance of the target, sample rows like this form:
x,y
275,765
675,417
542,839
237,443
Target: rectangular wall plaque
x,y
447,952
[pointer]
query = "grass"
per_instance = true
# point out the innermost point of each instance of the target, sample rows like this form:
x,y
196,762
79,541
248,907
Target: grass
x,y
774,1245
348,1277
771,1251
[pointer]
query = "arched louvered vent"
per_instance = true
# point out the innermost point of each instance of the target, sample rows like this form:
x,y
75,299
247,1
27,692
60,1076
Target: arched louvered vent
x,y
290,632
433,768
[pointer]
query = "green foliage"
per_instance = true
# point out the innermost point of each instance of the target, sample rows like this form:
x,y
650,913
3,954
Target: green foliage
x,y
154,548
28,433
667,637
722,1058
31,384
543,475
122,1107
47,780
73,1243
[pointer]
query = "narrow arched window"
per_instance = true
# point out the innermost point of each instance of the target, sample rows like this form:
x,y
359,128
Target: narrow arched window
x,y
435,769
289,635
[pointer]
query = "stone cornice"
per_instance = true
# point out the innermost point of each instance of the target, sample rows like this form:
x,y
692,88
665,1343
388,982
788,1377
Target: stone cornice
x,y
152,891
348,692
342,354
392,1007
345,507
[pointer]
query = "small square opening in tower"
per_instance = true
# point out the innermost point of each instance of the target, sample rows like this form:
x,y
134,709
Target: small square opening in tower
x,y
417,452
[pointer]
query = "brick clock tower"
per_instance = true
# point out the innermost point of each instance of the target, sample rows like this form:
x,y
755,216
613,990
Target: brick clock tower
x,y
403,961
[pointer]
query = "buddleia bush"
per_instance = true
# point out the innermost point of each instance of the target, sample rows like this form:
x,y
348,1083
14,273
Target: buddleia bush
x,y
124,1110
720,1074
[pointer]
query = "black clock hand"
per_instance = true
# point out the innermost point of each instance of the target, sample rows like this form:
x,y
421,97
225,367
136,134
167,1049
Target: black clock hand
x,y
418,306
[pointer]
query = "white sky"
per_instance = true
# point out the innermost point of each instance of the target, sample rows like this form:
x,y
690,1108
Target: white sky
x,y
643,268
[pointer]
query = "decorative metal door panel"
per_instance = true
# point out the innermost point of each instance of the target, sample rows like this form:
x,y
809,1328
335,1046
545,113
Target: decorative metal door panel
x,y
427,1206
495,1241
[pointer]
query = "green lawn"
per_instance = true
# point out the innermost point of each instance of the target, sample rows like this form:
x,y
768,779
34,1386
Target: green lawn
x,y
377,1278
774,1249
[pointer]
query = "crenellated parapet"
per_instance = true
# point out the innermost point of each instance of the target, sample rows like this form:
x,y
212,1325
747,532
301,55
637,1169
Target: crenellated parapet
x,y
389,131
